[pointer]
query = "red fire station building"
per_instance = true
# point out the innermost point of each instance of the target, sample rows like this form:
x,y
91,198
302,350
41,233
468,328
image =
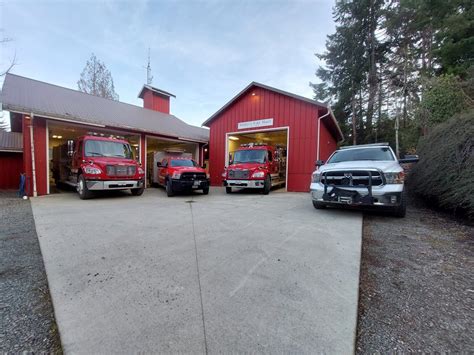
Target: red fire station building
x,y
43,116
262,114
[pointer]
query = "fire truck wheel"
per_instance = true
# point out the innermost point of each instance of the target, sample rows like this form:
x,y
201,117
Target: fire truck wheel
x,y
267,185
169,189
82,189
205,190
138,192
228,190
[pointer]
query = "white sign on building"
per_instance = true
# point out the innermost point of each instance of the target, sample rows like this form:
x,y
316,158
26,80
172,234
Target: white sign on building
x,y
256,124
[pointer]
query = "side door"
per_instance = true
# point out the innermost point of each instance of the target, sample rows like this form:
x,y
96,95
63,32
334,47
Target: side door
x,y
273,162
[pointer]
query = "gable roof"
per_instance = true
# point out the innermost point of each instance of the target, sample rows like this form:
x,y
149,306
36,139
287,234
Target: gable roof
x,y
152,88
282,92
11,142
25,95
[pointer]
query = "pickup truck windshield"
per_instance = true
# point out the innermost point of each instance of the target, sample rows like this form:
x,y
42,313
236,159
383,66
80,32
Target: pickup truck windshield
x,y
98,148
249,156
182,162
378,154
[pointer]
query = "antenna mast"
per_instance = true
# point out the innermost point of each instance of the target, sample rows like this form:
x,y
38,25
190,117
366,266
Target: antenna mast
x,y
149,77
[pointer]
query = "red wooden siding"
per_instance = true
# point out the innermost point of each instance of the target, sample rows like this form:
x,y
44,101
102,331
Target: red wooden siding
x,y
11,166
156,102
301,117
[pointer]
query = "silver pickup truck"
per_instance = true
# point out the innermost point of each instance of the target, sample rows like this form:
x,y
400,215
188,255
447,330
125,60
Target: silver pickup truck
x,y
363,175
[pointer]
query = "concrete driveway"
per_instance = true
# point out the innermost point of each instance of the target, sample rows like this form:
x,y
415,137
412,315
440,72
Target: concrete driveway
x,y
196,274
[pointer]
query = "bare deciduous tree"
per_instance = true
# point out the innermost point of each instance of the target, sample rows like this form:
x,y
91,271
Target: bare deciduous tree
x,y
97,80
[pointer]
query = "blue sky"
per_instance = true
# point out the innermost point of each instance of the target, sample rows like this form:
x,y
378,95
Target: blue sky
x,y
204,52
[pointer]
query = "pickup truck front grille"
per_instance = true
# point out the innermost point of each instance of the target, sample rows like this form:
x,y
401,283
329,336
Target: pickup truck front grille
x,y
193,176
121,170
352,178
239,174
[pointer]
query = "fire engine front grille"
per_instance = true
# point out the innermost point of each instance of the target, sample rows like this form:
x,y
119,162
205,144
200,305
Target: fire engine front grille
x,y
238,174
352,178
121,170
193,176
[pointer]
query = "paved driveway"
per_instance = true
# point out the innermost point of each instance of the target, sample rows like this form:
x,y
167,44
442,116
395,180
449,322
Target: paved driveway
x,y
217,273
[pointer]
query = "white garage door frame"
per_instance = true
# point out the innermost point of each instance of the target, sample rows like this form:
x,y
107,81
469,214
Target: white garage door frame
x,y
287,128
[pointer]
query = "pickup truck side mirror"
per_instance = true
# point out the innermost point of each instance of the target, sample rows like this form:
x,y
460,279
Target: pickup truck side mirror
x,y
204,166
158,164
319,163
409,159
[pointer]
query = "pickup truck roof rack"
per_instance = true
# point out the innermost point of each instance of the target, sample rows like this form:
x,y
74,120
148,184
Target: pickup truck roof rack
x,y
385,144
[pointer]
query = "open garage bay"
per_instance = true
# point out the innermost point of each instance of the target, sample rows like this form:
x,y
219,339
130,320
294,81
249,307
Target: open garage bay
x,y
217,273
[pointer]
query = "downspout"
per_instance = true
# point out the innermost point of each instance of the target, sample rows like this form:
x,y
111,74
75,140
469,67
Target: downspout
x,y
319,132
33,164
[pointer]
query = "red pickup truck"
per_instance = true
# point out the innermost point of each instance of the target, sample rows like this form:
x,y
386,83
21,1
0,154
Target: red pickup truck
x,y
182,174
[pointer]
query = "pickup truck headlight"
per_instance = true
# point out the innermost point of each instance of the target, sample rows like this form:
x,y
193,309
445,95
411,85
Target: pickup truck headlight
x,y
394,178
208,176
141,171
316,177
176,175
224,174
258,174
92,170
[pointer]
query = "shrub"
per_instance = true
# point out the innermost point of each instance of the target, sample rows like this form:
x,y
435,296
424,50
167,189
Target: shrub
x,y
445,172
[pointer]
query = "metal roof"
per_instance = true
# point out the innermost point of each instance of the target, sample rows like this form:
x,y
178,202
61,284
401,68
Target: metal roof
x,y
282,92
27,95
152,88
11,142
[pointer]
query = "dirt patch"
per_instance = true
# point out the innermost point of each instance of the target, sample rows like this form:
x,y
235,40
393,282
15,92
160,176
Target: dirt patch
x,y
27,321
416,285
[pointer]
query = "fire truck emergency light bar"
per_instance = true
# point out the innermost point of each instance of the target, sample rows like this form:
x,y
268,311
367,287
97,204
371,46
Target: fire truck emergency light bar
x,y
105,135
250,145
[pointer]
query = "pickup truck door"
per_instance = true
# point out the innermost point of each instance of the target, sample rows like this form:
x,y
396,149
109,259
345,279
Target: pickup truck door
x,y
162,172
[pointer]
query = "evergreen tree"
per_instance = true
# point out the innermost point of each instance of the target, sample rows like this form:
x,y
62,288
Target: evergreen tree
x,y
97,80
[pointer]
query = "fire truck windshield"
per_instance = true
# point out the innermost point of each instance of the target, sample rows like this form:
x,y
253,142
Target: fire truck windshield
x,y
100,148
250,156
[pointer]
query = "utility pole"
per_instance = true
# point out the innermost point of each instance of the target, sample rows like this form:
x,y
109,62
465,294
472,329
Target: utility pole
x,y
149,77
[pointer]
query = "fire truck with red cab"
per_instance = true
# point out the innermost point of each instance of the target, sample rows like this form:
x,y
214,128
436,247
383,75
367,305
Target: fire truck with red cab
x,y
256,166
96,162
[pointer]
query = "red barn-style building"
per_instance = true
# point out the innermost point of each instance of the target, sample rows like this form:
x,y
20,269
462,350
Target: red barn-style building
x,y
263,114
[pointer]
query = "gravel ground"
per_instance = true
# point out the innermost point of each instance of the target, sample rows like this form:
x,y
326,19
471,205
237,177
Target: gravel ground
x,y
26,314
416,284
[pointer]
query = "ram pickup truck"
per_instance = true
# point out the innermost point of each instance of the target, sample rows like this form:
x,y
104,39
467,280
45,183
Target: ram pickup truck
x,y
97,163
182,174
256,166
365,175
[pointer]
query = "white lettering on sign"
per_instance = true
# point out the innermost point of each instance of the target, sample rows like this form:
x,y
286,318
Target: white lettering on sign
x,y
256,124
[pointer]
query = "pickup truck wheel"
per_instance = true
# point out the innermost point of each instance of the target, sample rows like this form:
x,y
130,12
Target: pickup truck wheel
x,y
137,192
319,205
169,188
267,185
205,190
401,210
228,190
82,189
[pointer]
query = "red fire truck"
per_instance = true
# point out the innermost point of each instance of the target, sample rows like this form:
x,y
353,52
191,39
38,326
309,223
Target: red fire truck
x,y
256,166
92,163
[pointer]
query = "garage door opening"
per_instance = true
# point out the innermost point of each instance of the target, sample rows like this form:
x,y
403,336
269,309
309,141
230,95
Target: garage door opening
x,y
277,138
60,133
159,148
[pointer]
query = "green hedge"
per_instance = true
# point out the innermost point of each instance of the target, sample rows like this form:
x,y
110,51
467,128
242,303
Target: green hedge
x,y
445,173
